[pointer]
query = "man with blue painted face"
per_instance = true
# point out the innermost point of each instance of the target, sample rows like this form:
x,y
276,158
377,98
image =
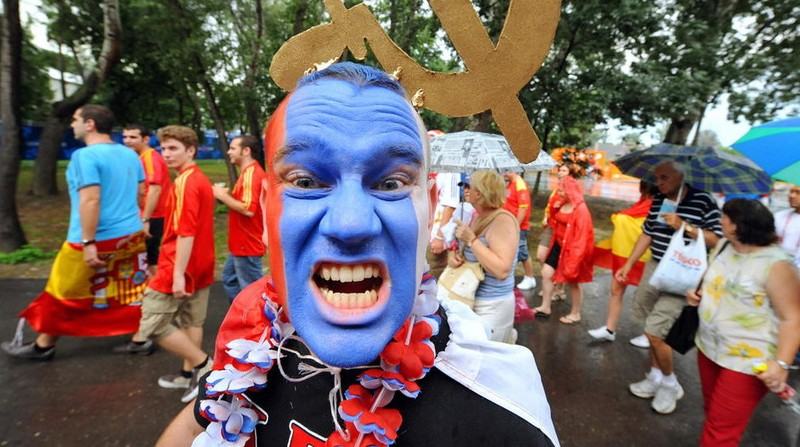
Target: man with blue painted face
x,y
336,346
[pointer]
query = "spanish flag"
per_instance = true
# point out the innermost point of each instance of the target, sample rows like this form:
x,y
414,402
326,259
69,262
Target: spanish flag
x,y
81,301
612,253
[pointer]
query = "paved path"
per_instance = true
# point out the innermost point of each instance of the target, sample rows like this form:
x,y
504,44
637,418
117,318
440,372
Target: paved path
x,y
89,397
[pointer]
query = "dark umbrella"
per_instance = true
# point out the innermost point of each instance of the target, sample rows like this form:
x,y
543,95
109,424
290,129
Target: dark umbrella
x,y
707,168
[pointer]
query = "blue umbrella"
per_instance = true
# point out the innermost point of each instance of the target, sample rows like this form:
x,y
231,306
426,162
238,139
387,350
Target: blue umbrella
x,y
707,169
775,147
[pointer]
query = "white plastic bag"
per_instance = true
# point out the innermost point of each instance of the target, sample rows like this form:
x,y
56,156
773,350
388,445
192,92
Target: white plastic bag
x,y
682,266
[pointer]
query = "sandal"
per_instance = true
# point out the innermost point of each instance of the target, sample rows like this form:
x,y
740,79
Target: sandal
x,y
567,319
539,314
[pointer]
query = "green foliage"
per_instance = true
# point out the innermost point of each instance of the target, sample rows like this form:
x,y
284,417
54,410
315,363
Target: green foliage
x,y
640,62
707,49
26,254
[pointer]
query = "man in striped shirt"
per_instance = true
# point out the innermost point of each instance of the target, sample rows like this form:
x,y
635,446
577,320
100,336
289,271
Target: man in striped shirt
x,y
676,204
245,223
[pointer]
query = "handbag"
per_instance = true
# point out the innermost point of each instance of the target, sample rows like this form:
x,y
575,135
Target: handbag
x,y
460,283
682,266
681,335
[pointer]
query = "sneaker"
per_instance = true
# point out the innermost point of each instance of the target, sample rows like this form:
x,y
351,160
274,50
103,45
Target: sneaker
x,y
174,381
602,334
527,283
27,351
197,374
133,348
640,342
644,389
666,398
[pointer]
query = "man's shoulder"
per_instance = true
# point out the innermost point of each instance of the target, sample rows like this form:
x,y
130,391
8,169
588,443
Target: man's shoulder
x,y
196,178
698,194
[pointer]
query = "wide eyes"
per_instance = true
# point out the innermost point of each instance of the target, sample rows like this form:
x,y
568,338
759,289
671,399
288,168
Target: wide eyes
x,y
303,180
393,183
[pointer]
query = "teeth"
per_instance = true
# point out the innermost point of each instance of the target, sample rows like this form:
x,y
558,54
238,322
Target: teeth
x,y
349,273
358,273
350,300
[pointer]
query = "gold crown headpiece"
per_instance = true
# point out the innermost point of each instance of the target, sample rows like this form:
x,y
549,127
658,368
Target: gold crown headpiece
x,y
493,77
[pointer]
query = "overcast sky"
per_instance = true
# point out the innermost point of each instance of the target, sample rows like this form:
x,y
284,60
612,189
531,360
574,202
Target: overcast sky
x,y
715,119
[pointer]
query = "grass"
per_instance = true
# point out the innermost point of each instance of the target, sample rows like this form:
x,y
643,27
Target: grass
x,y
45,221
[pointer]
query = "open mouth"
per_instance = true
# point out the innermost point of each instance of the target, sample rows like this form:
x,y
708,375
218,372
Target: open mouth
x,y
350,286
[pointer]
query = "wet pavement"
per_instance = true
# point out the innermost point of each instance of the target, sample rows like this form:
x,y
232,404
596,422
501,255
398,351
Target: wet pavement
x,y
88,397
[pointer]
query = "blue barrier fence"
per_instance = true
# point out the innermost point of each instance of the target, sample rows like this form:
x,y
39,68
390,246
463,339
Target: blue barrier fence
x,y
31,135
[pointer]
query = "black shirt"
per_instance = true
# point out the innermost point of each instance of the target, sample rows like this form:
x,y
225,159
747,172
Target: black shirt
x,y
444,413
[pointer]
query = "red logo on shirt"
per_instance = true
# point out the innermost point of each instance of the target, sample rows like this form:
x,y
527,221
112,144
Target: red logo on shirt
x,y
300,436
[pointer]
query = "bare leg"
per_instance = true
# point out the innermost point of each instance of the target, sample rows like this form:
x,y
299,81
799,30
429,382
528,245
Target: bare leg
x,y
661,353
179,343
547,289
195,334
615,304
527,265
576,293
46,340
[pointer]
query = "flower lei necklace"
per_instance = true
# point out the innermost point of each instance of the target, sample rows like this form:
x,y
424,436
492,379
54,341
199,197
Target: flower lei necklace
x,y
406,359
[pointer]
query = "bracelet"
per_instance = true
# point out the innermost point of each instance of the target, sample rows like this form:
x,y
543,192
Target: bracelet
x,y
784,365
86,242
145,220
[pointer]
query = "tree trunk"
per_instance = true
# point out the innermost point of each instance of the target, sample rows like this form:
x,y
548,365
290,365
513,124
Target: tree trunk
x,y
696,138
11,235
219,126
301,9
252,112
203,78
484,122
44,174
679,129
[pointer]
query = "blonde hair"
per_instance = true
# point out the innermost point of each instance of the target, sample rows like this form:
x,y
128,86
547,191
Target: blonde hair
x,y
491,186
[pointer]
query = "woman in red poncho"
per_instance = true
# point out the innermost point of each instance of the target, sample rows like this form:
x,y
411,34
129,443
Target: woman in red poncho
x,y
571,247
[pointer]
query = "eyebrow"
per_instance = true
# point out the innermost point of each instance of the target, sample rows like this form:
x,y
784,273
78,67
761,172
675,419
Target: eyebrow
x,y
408,152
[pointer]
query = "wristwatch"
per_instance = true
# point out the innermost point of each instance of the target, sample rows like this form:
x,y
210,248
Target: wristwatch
x,y
86,242
145,220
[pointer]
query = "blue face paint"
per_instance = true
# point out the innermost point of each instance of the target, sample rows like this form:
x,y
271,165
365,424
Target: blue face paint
x,y
352,173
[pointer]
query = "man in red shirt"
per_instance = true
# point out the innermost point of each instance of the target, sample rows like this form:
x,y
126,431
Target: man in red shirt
x,y
175,302
157,185
518,203
245,225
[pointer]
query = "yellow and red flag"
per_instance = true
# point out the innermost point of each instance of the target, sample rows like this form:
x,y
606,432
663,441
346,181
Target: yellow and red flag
x,y
612,253
81,301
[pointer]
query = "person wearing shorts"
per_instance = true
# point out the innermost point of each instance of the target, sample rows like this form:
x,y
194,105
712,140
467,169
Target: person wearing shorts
x,y
175,302
676,204
157,186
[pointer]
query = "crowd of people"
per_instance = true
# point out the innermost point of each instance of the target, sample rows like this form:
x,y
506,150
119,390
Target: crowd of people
x,y
333,219
747,300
